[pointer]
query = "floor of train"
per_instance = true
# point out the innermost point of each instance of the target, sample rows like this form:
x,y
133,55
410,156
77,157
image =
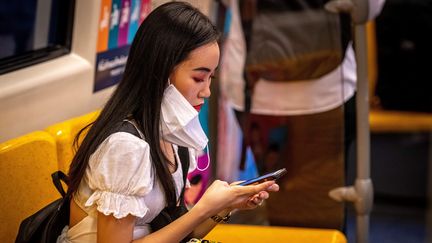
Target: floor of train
x,y
393,223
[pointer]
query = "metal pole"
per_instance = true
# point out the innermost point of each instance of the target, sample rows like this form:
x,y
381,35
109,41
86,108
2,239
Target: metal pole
x,y
362,105
363,182
361,194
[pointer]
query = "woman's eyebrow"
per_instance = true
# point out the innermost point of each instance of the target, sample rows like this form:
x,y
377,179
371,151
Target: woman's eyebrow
x,y
204,69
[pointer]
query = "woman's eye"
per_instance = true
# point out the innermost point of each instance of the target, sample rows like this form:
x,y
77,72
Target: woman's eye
x,y
203,79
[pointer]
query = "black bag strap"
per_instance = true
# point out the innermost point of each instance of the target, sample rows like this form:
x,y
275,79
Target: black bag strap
x,y
129,127
57,177
183,153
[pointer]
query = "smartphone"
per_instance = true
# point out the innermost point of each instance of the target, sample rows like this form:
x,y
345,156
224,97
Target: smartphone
x,y
267,177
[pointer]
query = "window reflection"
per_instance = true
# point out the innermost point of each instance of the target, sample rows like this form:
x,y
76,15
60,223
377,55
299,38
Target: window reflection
x,y
17,24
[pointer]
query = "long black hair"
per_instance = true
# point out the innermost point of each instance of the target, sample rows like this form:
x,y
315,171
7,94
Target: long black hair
x,y
164,39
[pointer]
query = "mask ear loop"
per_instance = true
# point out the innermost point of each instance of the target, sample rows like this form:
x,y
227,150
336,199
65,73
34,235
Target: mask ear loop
x,y
208,160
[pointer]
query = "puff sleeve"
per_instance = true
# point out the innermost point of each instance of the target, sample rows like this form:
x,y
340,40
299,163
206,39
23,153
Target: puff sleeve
x,y
120,175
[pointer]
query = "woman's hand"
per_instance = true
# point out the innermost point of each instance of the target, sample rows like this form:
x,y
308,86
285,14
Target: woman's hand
x,y
220,195
257,199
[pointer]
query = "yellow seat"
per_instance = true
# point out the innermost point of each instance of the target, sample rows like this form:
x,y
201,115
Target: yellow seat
x,y
64,134
259,234
382,121
26,165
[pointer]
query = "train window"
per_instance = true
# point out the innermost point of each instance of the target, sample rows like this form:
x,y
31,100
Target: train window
x,y
33,31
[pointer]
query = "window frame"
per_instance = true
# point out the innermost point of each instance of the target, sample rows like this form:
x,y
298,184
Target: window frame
x,y
62,47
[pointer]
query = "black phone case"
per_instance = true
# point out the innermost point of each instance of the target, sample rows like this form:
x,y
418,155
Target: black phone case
x,y
267,177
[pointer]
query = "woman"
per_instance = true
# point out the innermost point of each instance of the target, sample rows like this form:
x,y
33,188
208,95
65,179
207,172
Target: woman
x,y
119,181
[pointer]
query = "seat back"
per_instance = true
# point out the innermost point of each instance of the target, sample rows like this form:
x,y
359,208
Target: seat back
x,y
64,134
26,165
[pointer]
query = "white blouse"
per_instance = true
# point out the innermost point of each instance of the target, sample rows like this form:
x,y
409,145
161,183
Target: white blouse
x,y
120,180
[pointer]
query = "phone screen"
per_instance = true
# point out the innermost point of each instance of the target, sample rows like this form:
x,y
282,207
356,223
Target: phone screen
x,y
267,177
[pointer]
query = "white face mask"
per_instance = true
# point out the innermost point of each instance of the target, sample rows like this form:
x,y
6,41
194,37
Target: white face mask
x,y
179,122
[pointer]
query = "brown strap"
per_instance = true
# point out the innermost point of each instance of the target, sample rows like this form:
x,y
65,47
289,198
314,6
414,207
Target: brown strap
x,y
248,10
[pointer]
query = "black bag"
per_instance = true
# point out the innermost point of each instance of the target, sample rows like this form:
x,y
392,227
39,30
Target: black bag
x,y
46,224
166,216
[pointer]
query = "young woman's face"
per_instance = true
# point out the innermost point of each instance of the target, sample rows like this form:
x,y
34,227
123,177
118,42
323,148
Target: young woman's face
x,y
192,77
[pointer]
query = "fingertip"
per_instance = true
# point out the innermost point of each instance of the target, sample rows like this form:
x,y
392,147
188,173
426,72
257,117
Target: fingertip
x,y
268,184
273,188
264,195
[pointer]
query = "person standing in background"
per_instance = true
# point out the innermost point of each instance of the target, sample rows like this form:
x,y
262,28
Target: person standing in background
x,y
304,125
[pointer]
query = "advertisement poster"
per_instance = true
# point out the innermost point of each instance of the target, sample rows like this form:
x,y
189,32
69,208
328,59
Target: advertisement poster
x,y
118,22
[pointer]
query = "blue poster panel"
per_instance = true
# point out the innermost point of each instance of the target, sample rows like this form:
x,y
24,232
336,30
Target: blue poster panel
x,y
110,66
